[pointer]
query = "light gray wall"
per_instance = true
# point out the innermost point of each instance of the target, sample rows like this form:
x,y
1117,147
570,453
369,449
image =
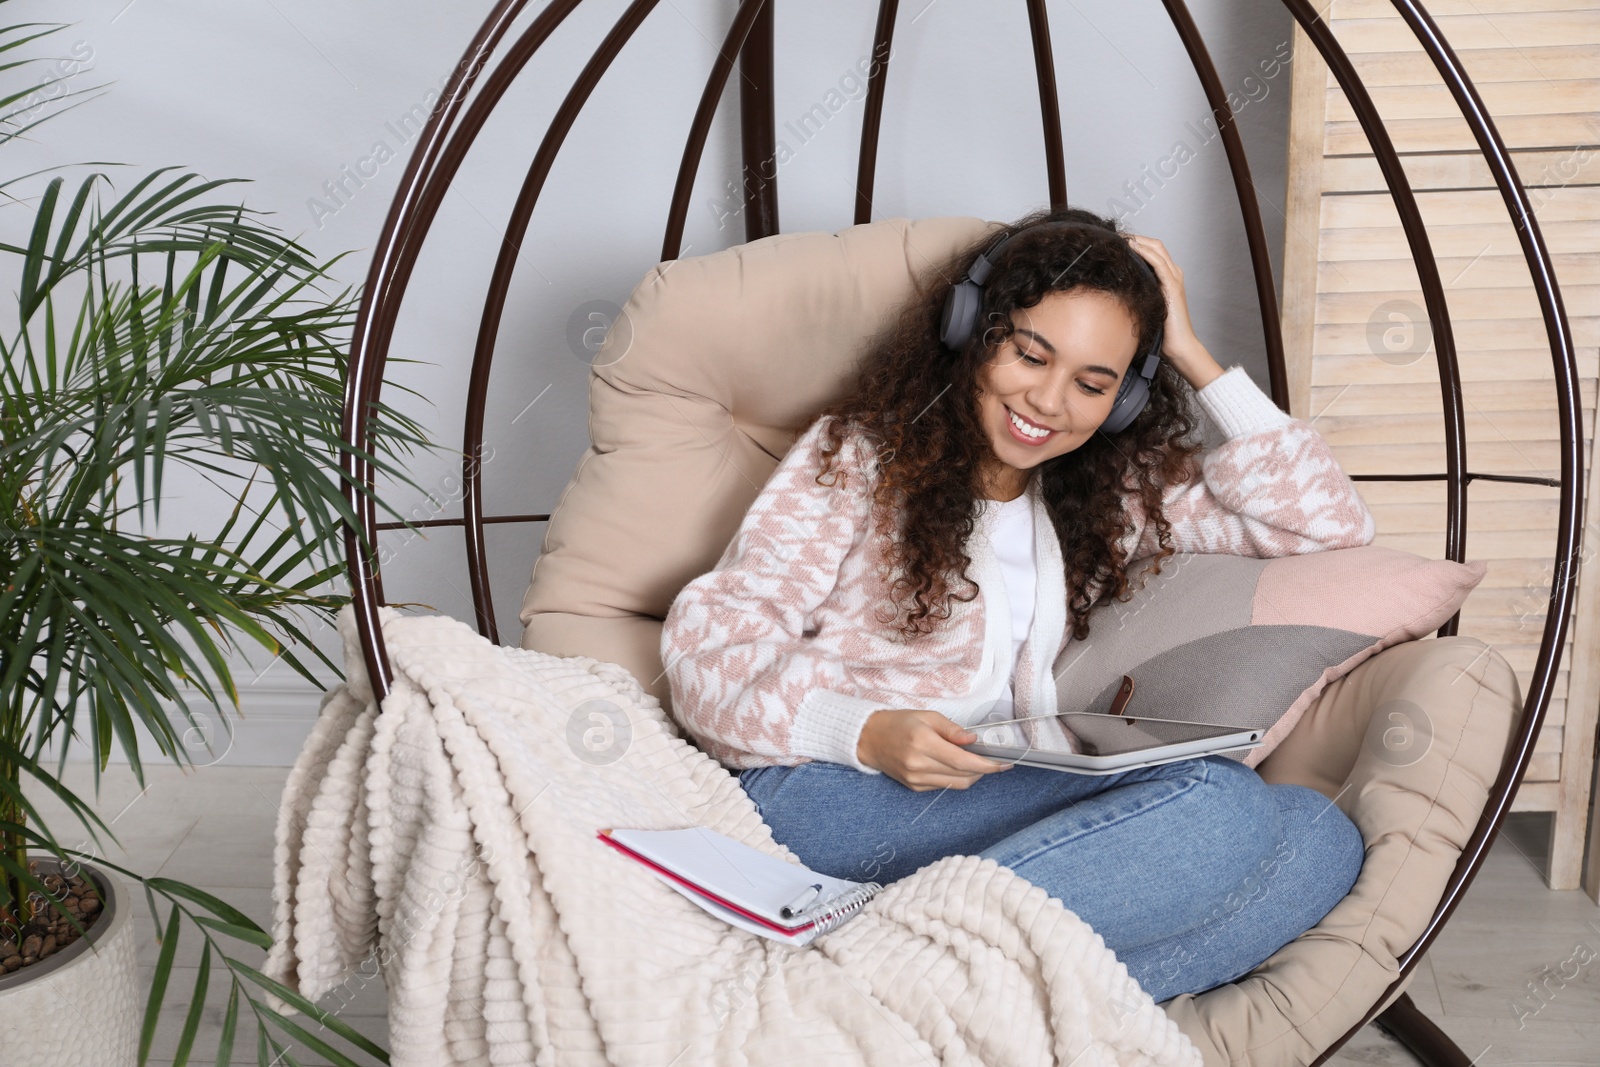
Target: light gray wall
x,y
299,95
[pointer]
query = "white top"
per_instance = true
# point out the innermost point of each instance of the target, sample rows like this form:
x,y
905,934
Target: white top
x,y
1012,539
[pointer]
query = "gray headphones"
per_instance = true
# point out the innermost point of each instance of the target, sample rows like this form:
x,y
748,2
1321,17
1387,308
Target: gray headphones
x,y
965,298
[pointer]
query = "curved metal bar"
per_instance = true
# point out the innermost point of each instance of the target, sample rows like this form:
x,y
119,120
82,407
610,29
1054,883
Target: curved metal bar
x,y
1244,188
437,182
694,144
369,347
1558,613
1427,273
1449,372
872,117
1466,476
1044,66
757,133
425,205
494,301
416,204
425,523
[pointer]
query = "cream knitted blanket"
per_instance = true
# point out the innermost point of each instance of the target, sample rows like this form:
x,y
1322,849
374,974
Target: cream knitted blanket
x,y
450,843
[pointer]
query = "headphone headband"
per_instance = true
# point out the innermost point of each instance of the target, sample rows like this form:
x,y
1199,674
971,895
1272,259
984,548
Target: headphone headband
x,y
965,299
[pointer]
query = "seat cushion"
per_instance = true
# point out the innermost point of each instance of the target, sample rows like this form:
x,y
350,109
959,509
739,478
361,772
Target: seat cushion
x,y
715,365
1408,745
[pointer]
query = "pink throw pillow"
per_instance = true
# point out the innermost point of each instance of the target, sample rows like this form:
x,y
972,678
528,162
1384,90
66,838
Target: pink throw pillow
x,y
1251,642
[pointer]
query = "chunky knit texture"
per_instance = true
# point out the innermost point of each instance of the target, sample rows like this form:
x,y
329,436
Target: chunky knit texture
x,y
449,844
780,653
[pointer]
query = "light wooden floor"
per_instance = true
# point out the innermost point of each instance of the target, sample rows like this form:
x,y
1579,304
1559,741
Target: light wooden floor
x,y
214,828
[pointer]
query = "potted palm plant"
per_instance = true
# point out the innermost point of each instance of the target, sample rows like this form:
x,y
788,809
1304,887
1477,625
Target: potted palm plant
x,y
158,332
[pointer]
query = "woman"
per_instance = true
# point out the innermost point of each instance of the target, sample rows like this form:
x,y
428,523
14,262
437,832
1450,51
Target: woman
x,y
839,664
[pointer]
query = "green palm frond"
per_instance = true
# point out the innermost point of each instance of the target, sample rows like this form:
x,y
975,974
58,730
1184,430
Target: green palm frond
x,y
214,920
236,378
25,108
161,332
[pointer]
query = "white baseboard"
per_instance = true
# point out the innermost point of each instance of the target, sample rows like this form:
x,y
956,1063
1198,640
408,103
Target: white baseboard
x,y
273,727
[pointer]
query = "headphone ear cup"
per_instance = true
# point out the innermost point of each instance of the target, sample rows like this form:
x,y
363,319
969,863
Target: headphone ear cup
x,y
1131,399
960,313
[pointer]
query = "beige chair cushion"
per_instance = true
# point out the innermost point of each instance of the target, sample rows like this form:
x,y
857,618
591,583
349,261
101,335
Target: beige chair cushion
x,y
712,369
698,393
1408,743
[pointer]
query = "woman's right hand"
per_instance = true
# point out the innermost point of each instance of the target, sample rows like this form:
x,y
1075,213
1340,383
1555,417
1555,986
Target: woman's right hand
x,y
921,750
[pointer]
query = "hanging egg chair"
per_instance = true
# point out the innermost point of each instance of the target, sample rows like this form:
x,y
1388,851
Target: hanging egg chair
x,y
1239,1023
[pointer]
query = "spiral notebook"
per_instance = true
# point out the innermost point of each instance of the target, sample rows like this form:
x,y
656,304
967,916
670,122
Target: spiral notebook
x,y
743,886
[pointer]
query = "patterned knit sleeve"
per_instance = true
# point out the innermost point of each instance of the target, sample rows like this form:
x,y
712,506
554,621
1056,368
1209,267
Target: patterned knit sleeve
x,y
1273,488
738,657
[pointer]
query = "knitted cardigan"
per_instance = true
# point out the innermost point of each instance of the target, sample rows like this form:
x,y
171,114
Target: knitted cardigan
x,y
779,653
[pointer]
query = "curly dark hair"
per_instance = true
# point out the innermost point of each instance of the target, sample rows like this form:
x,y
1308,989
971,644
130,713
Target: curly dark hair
x,y
917,403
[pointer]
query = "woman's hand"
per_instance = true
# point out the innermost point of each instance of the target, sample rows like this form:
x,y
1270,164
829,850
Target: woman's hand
x,y
921,750
1179,344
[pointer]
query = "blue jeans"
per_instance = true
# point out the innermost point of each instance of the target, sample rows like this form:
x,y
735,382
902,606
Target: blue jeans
x,y
1193,872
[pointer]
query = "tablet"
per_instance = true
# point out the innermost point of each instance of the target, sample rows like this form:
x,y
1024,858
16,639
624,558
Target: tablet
x,y
1096,743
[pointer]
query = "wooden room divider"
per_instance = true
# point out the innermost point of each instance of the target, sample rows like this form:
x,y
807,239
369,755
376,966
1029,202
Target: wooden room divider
x,y
1359,356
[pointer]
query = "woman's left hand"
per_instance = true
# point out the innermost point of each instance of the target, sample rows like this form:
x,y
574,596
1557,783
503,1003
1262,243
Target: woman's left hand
x,y
1179,344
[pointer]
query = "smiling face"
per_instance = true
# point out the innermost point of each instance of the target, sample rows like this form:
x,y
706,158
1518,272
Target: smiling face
x,y
1058,373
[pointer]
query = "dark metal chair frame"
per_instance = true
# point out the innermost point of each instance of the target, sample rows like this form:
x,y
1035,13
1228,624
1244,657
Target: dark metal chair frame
x,y
461,114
